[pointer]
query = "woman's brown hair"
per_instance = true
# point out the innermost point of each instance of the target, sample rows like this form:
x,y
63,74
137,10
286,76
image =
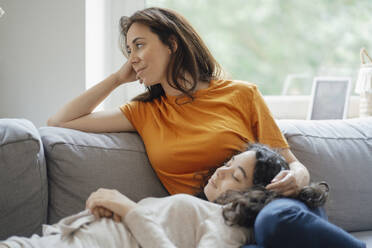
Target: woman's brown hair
x,y
191,56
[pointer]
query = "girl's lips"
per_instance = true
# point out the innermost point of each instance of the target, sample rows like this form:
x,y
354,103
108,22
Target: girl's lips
x,y
212,182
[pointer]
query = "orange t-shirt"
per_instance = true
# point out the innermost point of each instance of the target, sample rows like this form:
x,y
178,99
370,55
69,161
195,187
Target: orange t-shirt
x,y
184,137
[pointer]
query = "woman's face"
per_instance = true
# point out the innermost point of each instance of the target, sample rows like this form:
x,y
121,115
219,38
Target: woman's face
x,y
148,55
236,174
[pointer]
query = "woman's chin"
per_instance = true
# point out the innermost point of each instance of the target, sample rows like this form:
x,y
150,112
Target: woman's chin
x,y
148,83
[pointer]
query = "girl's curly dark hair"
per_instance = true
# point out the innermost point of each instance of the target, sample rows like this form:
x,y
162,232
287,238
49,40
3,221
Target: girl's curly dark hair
x,y
242,207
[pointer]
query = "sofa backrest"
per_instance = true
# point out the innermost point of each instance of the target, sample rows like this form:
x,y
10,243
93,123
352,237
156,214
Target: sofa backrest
x,y
79,163
336,151
339,152
23,179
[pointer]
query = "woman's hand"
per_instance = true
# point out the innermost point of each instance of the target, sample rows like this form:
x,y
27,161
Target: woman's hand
x,y
285,183
290,182
126,74
111,200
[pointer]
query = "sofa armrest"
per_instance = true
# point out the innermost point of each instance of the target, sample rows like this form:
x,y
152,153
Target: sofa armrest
x,y
23,183
80,163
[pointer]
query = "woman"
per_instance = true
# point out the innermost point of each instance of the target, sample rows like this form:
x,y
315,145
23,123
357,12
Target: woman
x,y
185,221
189,119
188,108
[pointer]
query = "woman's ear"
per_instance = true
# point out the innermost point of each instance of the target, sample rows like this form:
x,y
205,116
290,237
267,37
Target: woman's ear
x,y
173,44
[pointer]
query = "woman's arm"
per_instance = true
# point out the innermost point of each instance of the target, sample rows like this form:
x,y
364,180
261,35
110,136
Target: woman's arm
x,y
290,182
77,114
267,132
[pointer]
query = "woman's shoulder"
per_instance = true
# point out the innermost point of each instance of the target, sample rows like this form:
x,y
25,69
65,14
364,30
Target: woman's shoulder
x,y
243,88
142,106
236,84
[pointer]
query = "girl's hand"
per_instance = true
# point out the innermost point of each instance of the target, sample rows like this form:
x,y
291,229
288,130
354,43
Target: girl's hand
x,y
111,200
285,184
101,212
125,74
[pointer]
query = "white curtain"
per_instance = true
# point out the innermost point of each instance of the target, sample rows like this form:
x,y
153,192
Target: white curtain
x,y
103,55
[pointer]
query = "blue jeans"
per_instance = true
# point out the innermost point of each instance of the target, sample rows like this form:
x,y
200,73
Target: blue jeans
x,y
290,223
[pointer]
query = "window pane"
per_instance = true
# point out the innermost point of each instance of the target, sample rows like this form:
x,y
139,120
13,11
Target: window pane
x,y
273,41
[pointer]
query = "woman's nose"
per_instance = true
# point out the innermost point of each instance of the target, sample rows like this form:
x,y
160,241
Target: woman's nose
x,y
133,57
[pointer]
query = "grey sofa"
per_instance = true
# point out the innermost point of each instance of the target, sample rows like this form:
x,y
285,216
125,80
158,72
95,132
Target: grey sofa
x,y
47,173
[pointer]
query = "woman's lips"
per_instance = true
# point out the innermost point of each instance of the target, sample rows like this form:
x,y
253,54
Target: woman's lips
x,y
140,71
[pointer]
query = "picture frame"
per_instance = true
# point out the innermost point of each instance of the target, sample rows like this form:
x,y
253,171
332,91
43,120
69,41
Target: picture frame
x,y
329,98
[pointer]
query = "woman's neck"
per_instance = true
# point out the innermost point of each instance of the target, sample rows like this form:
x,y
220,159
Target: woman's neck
x,y
169,90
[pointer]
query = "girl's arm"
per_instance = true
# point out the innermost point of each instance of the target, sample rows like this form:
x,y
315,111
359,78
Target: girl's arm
x,y
182,221
109,199
146,230
139,220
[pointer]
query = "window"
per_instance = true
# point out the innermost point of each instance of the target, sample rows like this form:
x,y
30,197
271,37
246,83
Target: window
x,y
281,45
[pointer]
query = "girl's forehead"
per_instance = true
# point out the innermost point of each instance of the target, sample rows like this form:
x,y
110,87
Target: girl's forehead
x,y
247,155
245,159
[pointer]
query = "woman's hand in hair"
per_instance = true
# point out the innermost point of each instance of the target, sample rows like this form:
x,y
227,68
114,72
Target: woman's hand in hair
x,y
126,73
290,182
112,200
285,183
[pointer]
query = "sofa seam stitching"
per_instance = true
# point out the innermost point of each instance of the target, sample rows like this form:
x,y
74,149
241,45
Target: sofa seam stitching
x,y
115,149
45,202
321,137
19,141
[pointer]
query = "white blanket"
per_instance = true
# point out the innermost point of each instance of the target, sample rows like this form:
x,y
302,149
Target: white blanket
x,y
174,221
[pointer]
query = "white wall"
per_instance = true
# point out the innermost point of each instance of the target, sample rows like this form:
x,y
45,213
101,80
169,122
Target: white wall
x,y
103,54
42,57
43,49
117,9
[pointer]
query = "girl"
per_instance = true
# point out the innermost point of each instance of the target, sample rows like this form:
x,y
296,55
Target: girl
x,y
235,192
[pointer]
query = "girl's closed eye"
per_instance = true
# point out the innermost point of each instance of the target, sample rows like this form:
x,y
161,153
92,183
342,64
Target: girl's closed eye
x,y
235,178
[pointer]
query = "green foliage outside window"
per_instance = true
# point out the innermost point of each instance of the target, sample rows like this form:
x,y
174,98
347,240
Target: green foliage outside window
x,y
269,42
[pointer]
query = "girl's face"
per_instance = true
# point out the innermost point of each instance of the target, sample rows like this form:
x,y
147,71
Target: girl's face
x,y
236,174
148,55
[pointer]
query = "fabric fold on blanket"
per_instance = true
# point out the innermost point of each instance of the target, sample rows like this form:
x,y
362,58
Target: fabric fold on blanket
x,y
69,225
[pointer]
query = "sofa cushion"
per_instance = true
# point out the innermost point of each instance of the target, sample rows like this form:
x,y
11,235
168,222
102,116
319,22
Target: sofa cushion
x,y
23,183
365,236
79,163
339,152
